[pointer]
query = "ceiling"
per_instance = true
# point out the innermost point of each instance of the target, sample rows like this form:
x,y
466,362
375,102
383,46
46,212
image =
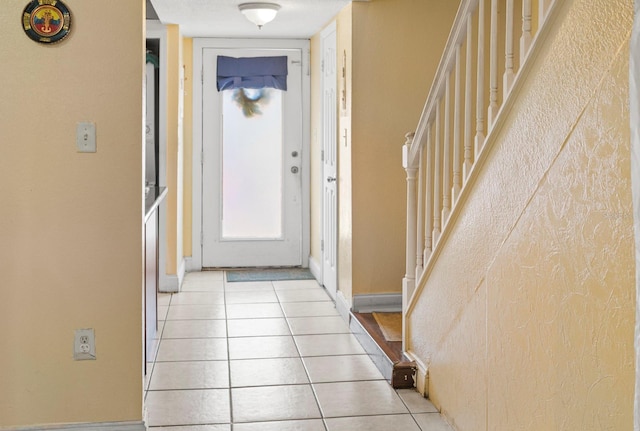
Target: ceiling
x,y
297,19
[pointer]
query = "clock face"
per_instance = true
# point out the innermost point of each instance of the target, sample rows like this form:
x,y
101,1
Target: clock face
x,y
46,21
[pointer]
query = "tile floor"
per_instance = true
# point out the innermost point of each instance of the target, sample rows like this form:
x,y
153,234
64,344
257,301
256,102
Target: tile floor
x,y
267,356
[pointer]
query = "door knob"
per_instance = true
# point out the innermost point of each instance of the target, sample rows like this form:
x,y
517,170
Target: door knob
x,y
294,169
331,179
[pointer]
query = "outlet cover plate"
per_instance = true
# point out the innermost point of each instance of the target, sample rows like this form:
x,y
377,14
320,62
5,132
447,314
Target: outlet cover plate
x,y
84,345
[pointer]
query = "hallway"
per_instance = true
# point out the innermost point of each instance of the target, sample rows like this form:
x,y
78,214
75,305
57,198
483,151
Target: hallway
x,y
265,356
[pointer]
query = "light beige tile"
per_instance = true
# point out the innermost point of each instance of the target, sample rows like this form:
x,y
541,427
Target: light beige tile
x,y
373,423
148,374
204,276
325,345
162,312
195,329
239,286
318,325
270,403
324,369
195,428
358,399
257,327
186,312
190,375
249,311
203,286
302,425
303,295
250,297
192,407
160,330
309,309
262,347
192,349
267,372
431,422
197,298
164,298
416,402
295,284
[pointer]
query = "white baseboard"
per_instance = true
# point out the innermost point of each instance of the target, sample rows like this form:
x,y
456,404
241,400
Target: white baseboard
x,y
316,269
94,426
384,302
181,272
343,307
190,265
168,283
422,374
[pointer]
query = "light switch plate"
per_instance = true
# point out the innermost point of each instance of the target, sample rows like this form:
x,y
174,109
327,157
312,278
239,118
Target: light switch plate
x,y
86,137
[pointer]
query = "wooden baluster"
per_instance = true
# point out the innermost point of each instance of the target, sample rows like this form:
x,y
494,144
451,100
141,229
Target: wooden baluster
x,y
525,39
409,281
479,138
508,53
468,156
428,210
437,183
420,218
493,65
457,150
446,174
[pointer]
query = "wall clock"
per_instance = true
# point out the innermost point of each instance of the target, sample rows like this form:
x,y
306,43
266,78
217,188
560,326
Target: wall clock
x,y
46,21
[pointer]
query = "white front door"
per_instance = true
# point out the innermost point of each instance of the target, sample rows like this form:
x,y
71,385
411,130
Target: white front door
x,y
252,148
329,166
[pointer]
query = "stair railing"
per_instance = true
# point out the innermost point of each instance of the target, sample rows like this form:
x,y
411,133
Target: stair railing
x,y
464,101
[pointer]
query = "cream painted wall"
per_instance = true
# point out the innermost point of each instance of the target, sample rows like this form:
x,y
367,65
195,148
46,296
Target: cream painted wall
x,y
526,319
174,199
187,58
71,223
392,50
344,36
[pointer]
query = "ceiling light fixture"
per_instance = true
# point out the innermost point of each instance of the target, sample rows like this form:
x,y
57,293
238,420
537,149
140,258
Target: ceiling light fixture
x,y
259,13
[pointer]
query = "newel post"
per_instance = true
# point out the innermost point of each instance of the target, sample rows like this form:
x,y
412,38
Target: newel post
x,y
411,167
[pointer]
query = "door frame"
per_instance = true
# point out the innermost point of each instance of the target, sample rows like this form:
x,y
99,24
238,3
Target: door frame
x,y
199,44
157,30
333,282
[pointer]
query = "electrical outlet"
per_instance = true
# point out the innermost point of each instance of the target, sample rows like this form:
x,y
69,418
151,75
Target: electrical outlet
x,y
84,345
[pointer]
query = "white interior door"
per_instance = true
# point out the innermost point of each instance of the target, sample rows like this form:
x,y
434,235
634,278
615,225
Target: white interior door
x,y
329,149
251,168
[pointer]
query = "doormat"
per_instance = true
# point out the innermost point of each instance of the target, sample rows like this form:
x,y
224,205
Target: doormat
x,y
390,324
269,274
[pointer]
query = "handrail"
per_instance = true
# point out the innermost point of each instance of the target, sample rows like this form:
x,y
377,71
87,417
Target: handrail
x,y
442,152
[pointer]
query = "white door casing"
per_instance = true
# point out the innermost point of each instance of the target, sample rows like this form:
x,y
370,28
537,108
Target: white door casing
x,y
206,159
330,161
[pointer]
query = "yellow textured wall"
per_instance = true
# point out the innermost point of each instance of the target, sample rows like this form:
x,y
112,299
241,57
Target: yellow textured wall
x,y
396,49
526,319
71,223
344,39
187,59
174,152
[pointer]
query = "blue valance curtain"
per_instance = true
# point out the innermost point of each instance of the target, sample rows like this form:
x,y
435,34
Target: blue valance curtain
x,y
252,72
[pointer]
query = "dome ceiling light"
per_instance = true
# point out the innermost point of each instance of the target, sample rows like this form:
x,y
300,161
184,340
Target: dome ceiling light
x,y
259,13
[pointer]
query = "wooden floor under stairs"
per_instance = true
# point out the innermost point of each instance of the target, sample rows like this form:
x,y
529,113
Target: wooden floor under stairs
x,y
396,368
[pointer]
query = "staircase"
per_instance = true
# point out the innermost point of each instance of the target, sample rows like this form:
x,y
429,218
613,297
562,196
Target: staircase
x,y
385,350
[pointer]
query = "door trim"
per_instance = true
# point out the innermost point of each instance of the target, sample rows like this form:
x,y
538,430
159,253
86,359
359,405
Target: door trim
x,y
330,283
198,45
